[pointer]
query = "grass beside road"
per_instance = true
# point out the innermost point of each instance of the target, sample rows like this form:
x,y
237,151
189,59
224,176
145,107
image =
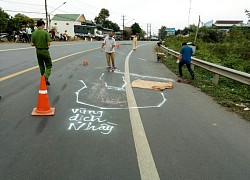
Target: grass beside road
x,y
231,94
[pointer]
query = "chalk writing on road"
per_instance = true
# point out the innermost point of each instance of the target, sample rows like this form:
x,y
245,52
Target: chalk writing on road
x,y
88,120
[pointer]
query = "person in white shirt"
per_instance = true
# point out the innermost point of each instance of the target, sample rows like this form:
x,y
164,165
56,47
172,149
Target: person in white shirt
x,y
29,33
109,43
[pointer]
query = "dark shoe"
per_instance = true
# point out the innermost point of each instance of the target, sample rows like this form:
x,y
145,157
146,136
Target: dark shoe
x,y
193,77
113,67
47,81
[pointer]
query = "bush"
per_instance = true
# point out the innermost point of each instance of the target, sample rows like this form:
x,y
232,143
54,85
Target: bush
x,y
232,55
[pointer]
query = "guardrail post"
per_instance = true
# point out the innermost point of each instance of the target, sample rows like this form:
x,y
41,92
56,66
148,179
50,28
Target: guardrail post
x,y
216,78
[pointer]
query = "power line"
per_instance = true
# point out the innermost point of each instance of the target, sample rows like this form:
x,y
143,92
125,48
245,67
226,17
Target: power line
x,y
95,7
21,3
30,5
58,15
23,11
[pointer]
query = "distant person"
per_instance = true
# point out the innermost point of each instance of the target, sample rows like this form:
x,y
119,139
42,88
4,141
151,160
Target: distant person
x,y
24,34
159,43
109,43
185,58
52,34
41,40
29,33
135,41
65,35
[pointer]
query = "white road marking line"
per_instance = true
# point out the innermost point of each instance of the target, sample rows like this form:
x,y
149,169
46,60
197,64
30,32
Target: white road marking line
x,y
145,158
3,50
146,77
142,59
32,68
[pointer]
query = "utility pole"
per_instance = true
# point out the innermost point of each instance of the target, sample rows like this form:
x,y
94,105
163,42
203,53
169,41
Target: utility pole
x,y
197,29
123,19
149,31
189,12
46,12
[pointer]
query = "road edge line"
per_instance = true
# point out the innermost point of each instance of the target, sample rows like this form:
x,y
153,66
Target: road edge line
x,y
145,158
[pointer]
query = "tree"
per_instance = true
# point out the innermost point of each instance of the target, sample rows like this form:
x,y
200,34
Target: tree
x,y
211,35
142,34
111,25
178,32
126,35
4,17
136,28
102,17
163,33
19,21
189,30
248,14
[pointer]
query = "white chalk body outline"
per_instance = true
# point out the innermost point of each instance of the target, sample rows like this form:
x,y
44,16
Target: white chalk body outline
x,y
115,88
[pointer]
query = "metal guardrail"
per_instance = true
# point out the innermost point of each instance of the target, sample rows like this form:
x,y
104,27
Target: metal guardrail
x,y
216,69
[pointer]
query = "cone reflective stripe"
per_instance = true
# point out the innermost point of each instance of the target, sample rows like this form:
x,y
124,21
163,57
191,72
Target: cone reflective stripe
x,y
43,106
43,91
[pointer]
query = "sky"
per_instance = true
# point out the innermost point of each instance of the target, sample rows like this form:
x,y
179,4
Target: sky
x,y
150,15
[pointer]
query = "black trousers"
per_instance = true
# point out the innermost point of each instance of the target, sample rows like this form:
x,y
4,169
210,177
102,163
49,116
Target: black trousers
x,y
188,67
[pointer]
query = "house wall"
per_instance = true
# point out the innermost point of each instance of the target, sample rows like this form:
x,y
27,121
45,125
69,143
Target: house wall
x,y
61,26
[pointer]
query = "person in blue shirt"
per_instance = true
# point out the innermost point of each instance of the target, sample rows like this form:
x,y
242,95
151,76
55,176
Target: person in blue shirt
x,y
185,58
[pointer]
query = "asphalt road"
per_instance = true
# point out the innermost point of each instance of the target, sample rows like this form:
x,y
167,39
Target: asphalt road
x,y
105,130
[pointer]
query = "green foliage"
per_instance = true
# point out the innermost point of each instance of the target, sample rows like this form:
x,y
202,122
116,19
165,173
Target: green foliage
x,y
4,17
189,30
211,35
247,13
136,28
228,92
163,33
231,51
102,17
142,33
111,25
126,34
9,24
23,20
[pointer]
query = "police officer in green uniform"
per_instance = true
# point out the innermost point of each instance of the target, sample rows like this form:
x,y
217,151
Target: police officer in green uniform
x,y
41,40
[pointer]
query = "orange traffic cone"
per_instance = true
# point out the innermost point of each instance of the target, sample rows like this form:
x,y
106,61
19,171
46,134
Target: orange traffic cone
x,y
85,62
43,107
118,45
